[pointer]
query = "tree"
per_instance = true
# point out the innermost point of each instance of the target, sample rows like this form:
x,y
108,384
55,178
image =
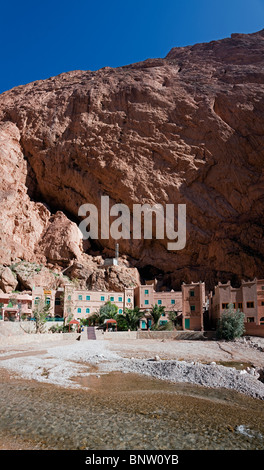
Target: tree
x,y
231,324
156,312
108,310
129,320
174,318
40,312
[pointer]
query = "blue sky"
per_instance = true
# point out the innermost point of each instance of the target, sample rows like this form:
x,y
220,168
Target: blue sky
x,y
42,39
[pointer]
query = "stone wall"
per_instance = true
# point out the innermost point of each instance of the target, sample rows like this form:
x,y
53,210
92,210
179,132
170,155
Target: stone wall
x,y
254,330
158,335
12,333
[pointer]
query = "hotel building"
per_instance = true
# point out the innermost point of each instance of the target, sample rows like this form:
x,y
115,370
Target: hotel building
x,y
193,306
248,298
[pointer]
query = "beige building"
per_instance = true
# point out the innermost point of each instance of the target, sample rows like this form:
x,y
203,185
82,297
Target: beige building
x,y
193,306
248,298
83,303
52,298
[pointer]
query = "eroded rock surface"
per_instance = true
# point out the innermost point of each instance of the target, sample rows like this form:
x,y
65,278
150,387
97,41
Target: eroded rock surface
x,y
184,129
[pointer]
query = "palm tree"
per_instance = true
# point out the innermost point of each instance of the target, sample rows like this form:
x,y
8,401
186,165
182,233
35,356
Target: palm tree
x,y
156,312
108,310
131,317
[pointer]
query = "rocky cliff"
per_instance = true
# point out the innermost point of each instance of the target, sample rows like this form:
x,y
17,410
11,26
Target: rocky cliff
x,y
184,129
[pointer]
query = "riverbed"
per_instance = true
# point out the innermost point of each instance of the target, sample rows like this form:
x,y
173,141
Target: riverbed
x,y
92,407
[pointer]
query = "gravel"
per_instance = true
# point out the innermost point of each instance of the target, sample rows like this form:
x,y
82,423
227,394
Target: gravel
x,y
59,365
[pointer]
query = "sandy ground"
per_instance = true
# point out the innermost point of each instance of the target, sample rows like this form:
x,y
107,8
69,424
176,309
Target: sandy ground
x,y
249,350
203,351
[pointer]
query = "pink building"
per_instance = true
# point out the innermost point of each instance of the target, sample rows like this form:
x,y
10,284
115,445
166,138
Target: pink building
x,y
248,298
16,306
193,306
146,297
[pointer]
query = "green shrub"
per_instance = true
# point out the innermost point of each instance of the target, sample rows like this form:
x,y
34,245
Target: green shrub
x,y
231,324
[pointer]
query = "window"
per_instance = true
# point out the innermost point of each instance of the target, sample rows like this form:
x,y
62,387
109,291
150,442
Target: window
x,y
36,301
112,299
120,310
69,297
57,301
146,302
47,301
250,304
224,306
120,299
79,310
102,297
261,321
250,319
163,314
87,310
88,297
239,305
159,302
129,301
192,308
163,322
192,293
172,301
146,291
79,297
262,302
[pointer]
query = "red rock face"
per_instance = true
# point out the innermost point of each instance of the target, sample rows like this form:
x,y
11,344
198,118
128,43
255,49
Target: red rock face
x,y
184,129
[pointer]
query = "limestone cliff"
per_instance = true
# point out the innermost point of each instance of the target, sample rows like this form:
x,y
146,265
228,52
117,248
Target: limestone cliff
x,y
184,129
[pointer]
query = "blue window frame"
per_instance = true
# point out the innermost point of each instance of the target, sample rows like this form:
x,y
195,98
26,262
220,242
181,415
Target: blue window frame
x,y
79,310
79,297
87,310
88,297
102,297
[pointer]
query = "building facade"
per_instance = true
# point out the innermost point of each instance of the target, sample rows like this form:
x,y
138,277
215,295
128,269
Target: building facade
x,y
248,298
53,298
190,304
193,306
16,306
83,303
146,297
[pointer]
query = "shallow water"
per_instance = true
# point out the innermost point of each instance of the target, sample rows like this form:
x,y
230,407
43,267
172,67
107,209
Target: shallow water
x,y
127,411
